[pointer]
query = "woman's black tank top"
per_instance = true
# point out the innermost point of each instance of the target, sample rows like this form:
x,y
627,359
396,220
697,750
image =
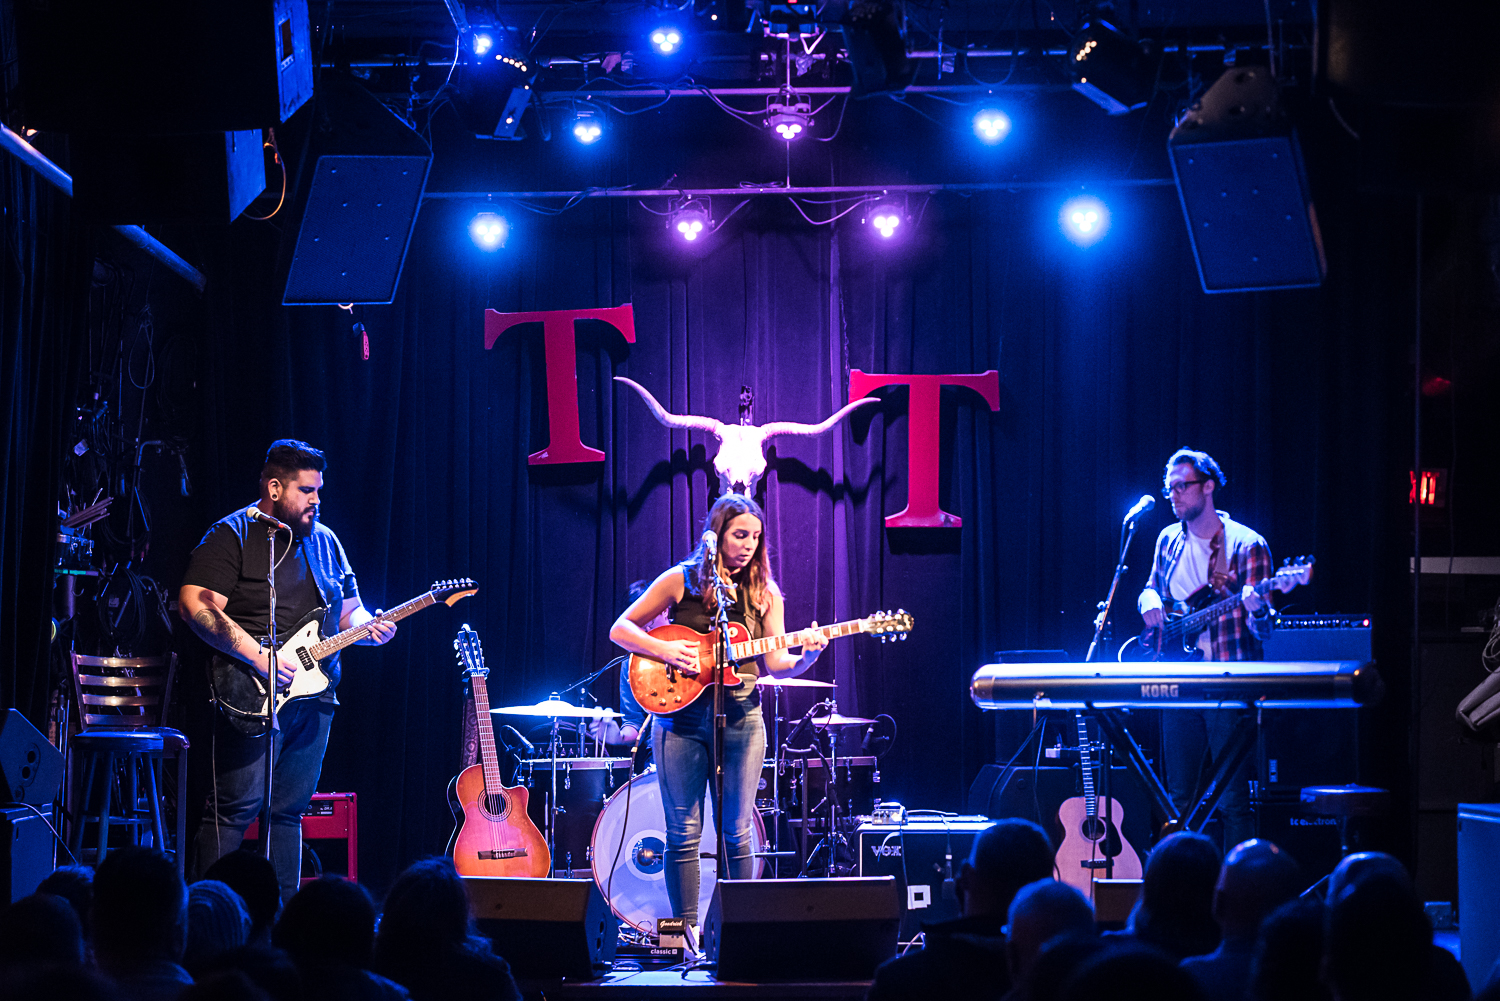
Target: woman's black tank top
x,y
690,612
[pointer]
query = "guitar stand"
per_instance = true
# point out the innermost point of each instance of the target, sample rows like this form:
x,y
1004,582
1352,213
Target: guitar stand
x,y
1241,743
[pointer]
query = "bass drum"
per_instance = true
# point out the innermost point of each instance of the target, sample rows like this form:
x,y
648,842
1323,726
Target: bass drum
x,y
629,853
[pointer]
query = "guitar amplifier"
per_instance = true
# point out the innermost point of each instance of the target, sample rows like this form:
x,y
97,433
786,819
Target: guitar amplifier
x,y
1319,637
924,855
332,820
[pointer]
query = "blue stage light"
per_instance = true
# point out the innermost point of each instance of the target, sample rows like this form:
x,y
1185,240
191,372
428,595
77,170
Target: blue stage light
x,y
483,42
488,231
666,40
587,126
1084,220
991,125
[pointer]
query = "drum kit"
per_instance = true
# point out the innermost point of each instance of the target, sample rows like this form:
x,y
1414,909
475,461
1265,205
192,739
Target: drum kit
x,y
604,822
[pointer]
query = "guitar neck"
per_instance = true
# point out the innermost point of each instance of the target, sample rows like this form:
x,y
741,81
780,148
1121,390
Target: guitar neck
x,y
488,756
338,641
1087,764
754,648
1197,620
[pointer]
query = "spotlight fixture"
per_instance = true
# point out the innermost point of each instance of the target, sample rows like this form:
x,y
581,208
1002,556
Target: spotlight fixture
x,y
886,216
790,20
483,42
691,218
1109,68
587,126
788,114
666,40
494,91
1084,220
991,125
488,231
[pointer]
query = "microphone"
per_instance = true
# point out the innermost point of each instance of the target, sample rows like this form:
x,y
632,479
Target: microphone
x,y
512,738
256,514
801,727
1146,503
710,542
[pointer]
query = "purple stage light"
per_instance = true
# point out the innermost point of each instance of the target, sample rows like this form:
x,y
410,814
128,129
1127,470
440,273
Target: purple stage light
x,y
488,231
1084,220
788,114
991,125
691,219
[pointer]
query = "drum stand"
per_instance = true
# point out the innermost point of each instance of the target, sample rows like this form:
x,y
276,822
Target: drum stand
x,y
834,840
777,762
554,744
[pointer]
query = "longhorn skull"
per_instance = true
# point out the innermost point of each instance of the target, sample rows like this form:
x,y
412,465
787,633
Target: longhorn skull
x,y
741,459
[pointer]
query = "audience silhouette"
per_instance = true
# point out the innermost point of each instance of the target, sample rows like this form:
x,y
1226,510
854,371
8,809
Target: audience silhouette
x,y
1175,912
1257,877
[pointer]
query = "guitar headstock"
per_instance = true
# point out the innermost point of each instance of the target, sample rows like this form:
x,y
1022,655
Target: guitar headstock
x,y
451,592
470,653
889,625
1293,574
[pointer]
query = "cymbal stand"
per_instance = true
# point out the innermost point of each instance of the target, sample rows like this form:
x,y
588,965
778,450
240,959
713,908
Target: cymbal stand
x,y
555,745
834,839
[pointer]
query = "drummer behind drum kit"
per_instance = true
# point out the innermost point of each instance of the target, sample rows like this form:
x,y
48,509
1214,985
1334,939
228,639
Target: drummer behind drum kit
x,y
601,821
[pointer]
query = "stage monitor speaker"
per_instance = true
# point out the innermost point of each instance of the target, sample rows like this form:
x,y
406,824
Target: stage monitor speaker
x,y
546,928
169,66
355,208
1243,189
30,767
135,179
25,850
802,929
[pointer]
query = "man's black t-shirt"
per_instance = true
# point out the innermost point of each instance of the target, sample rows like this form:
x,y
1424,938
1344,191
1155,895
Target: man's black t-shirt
x,y
231,560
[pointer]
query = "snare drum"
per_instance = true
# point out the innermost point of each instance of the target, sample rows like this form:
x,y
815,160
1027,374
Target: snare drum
x,y
583,784
805,783
629,854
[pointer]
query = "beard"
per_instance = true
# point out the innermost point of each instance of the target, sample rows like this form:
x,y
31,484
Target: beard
x,y
302,527
1190,513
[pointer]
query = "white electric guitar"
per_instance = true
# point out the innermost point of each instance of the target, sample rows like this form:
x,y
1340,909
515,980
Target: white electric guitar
x,y
241,690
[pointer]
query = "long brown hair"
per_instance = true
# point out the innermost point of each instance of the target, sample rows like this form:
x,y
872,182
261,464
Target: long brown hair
x,y
756,578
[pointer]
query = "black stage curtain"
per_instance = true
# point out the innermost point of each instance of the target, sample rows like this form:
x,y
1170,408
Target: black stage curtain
x,y
1108,360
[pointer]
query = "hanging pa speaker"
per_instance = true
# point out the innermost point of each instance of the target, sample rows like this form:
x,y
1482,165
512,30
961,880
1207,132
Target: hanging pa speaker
x,y
802,929
30,767
1244,190
546,928
356,203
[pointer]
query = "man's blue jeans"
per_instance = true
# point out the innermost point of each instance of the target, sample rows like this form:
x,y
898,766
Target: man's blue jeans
x,y
1191,739
239,775
684,756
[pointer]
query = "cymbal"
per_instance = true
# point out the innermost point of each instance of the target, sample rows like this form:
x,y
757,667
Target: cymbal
x,y
838,720
766,679
555,707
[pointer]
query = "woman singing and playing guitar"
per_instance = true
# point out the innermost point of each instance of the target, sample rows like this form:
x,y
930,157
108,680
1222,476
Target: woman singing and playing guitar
x,y
734,550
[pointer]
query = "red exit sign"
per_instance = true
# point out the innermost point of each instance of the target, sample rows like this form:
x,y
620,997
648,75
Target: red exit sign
x,y
1430,489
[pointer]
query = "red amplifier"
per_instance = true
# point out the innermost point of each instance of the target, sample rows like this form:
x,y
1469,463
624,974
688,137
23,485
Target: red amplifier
x,y
331,816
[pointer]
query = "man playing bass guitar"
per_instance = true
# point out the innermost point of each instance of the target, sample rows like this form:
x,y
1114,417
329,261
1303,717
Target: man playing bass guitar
x,y
1207,555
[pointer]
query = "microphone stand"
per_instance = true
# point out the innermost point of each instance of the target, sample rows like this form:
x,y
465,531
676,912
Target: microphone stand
x,y
721,719
272,724
1127,533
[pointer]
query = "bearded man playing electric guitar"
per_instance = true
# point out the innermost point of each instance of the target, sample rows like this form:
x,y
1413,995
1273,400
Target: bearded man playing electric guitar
x,y
224,598
1207,549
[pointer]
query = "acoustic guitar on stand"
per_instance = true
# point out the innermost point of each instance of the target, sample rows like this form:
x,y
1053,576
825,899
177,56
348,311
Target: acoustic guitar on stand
x,y
663,689
493,835
1092,847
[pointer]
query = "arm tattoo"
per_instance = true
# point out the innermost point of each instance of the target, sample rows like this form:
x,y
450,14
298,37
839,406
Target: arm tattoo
x,y
218,630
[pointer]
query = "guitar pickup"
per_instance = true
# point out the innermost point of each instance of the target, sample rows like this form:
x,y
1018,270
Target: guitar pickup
x,y
503,853
1096,863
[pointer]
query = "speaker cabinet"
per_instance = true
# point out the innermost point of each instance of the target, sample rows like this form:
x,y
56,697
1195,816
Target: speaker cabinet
x,y
546,928
1243,189
356,205
802,929
137,178
30,767
25,850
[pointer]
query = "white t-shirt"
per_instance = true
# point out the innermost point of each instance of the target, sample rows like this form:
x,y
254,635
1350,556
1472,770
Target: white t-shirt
x,y
1192,567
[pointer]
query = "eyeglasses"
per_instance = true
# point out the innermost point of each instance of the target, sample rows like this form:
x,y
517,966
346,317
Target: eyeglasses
x,y
1177,488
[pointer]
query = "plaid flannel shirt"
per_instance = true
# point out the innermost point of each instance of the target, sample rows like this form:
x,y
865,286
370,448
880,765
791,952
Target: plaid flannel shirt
x,y
1237,635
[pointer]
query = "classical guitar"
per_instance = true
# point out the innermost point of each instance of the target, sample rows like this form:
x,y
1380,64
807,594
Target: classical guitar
x,y
240,689
492,835
1177,637
1092,846
663,689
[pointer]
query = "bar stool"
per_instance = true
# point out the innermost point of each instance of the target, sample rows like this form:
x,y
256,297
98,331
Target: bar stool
x,y
122,703
1344,803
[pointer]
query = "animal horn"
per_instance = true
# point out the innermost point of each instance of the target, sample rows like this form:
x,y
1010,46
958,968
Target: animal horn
x,y
792,427
689,422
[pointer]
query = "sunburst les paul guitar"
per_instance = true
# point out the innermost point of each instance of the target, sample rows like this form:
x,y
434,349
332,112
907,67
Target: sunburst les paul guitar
x,y
492,835
663,689
1092,847
240,689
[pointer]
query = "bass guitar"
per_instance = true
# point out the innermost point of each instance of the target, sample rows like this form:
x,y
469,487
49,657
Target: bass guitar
x,y
1092,846
241,690
1177,637
663,689
492,835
